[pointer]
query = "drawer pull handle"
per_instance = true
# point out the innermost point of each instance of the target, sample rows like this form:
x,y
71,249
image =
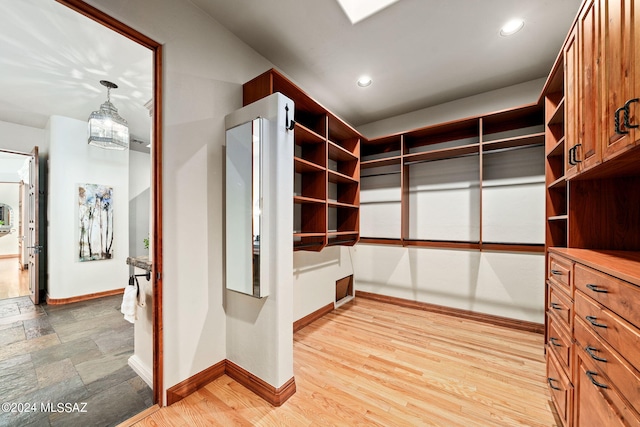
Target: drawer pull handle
x,y
590,351
556,306
592,320
550,381
592,374
554,341
556,272
595,288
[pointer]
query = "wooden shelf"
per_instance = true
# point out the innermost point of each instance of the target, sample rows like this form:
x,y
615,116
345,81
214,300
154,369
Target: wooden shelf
x,y
517,141
557,117
558,183
303,199
389,161
304,166
304,135
558,149
340,154
308,234
513,247
558,218
445,153
339,178
336,204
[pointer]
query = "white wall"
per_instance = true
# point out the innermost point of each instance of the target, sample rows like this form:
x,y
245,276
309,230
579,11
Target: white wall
x,y
10,195
497,283
488,102
204,69
72,162
139,202
22,138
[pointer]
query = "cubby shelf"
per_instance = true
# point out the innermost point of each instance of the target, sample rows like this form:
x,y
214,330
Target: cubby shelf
x,y
304,166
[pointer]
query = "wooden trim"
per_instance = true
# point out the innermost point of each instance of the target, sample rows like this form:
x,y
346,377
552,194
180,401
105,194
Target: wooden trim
x,y
380,241
79,298
156,167
9,255
442,244
312,317
521,325
195,382
514,247
139,417
275,396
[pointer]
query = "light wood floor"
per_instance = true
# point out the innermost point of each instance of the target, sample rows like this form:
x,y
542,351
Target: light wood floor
x,y
371,364
13,282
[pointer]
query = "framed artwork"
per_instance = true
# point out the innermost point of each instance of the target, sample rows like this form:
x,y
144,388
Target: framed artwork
x,y
95,217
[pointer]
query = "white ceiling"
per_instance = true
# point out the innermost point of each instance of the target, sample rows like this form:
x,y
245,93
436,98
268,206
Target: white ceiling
x,y
52,60
419,52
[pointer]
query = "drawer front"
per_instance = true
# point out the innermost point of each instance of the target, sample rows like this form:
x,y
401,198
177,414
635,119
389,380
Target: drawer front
x,y
559,342
560,389
617,295
622,336
596,406
561,307
560,273
609,366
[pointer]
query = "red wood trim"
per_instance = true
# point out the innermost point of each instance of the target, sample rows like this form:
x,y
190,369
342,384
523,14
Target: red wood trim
x,y
508,247
438,244
380,241
312,317
60,301
521,325
275,396
195,382
156,155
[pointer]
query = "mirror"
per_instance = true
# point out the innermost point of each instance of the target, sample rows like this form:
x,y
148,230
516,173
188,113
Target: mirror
x,y
243,208
6,219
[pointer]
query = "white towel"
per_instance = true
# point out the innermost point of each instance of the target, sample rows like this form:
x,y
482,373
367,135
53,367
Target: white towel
x,y
129,301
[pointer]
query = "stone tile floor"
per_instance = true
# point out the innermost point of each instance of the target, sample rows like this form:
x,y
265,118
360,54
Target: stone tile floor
x,y
68,363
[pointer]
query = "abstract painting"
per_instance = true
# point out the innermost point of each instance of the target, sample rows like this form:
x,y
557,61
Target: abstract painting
x,y
95,214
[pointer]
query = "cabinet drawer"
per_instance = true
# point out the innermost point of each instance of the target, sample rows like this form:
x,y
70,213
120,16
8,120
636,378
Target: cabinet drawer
x,y
559,342
617,295
619,334
596,406
560,388
560,273
610,367
561,307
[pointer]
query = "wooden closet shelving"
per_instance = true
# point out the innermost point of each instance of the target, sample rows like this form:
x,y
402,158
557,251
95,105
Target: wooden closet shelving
x,y
474,137
327,167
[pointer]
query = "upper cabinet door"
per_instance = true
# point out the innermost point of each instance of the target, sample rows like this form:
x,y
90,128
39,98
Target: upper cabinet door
x,y
571,75
588,154
617,70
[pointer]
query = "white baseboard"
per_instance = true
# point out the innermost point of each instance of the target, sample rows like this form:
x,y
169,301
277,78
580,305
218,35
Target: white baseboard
x,y
142,370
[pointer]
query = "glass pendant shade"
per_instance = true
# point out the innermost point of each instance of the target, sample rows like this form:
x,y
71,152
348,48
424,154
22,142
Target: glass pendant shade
x,y
106,128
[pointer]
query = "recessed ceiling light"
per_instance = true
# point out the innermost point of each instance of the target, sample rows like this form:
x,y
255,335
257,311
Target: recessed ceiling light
x,y
512,27
364,81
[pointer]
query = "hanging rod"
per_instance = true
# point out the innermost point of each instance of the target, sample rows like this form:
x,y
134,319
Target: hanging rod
x,y
519,147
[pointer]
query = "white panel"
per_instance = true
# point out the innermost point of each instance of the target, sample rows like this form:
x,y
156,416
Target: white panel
x,y
444,200
513,196
380,210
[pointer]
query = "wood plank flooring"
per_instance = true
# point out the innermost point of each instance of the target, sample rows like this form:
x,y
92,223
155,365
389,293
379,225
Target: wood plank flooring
x,y
13,282
374,364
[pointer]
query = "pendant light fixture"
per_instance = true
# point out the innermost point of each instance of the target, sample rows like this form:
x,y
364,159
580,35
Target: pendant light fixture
x,y
106,128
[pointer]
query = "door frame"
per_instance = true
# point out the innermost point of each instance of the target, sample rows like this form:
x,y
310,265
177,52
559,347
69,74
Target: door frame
x,y
156,176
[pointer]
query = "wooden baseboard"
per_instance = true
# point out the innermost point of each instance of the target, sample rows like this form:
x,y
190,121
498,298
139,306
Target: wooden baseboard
x,y
58,301
275,396
310,318
195,382
521,325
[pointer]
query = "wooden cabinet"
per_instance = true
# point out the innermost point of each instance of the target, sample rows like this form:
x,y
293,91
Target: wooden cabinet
x,y
327,167
618,37
572,76
602,326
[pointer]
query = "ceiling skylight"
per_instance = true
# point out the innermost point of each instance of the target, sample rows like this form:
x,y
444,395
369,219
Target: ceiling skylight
x,y
357,10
